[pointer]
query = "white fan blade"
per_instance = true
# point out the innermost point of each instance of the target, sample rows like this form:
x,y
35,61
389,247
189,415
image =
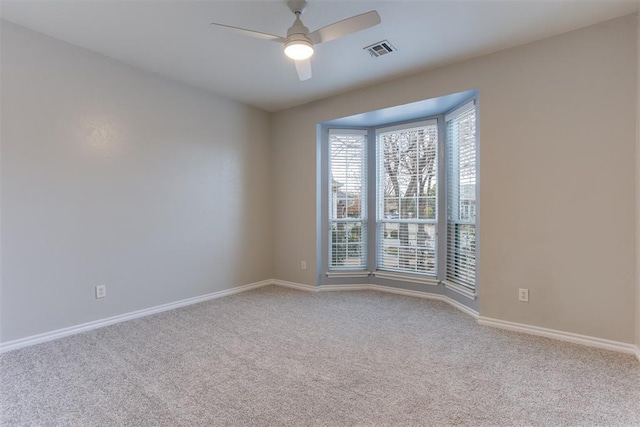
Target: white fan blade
x,y
303,67
256,34
345,27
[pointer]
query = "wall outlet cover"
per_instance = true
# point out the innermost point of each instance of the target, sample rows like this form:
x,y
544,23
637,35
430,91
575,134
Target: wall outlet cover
x,y
101,291
523,295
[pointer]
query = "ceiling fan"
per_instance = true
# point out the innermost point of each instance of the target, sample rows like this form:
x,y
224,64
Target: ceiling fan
x,y
299,42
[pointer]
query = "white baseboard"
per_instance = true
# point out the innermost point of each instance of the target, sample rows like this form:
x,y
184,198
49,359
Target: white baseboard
x,y
496,323
293,285
381,288
561,335
72,330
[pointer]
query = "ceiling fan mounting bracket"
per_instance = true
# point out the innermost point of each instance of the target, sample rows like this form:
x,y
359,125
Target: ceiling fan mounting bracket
x,y
297,6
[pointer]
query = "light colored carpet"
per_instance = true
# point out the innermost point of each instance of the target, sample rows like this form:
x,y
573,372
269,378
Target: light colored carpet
x,y
275,356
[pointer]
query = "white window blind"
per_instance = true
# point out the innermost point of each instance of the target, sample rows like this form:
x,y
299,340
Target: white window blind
x,y
407,198
461,196
347,199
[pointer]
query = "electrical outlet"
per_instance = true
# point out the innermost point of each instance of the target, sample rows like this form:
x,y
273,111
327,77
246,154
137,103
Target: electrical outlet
x,y
303,265
101,291
523,295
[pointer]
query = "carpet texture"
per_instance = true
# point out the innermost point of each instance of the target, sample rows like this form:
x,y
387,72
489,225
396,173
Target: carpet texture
x,y
280,357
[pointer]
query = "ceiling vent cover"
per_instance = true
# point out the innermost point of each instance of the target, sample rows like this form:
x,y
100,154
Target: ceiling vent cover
x,y
380,49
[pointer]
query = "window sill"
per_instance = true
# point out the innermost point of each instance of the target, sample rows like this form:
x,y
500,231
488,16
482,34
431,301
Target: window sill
x,y
347,274
460,290
406,278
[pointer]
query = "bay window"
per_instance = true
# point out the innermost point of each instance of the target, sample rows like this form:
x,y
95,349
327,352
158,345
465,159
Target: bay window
x,y
401,202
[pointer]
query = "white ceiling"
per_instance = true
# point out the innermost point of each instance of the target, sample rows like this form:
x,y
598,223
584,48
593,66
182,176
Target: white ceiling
x,y
174,38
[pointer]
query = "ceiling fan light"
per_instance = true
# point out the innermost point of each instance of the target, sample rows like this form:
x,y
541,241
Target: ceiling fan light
x,y
298,49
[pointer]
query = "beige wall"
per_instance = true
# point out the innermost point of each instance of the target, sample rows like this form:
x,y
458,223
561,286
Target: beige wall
x,y
557,137
115,176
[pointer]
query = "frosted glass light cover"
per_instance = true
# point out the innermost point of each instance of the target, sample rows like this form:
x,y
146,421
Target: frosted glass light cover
x,y
298,50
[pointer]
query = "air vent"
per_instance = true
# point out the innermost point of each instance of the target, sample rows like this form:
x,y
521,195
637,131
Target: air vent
x,y
380,49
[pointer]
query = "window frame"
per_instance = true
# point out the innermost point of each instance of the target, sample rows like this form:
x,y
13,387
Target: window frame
x,y
365,216
379,214
325,274
450,283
